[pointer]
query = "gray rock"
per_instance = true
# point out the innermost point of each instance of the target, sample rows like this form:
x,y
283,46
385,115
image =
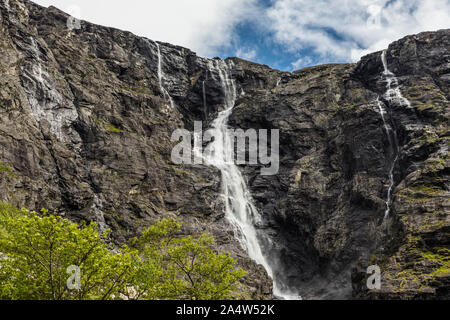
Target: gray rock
x,y
85,128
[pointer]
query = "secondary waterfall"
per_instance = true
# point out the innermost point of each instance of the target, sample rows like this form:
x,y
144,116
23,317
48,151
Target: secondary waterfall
x,y
394,96
393,93
205,110
240,210
392,138
161,77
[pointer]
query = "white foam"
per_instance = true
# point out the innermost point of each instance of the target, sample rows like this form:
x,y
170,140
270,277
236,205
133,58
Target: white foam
x,y
393,92
161,77
240,210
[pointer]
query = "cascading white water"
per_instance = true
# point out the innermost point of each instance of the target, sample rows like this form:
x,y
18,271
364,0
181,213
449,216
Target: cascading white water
x,y
394,96
205,110
240,210
392,138
278,82
161,77
393,93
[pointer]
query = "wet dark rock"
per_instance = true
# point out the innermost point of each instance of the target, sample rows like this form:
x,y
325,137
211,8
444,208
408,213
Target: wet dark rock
x,y
327,203
85,131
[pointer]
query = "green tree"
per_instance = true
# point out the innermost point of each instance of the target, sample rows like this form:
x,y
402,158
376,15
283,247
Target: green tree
x,y
183,267
36,250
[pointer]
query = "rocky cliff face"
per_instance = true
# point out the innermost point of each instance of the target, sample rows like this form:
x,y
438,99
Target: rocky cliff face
x,y
86,117
326,208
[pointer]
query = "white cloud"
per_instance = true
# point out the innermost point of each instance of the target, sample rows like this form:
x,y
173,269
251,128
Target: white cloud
x,y
247,54
301,62
204,26
348,29
335,30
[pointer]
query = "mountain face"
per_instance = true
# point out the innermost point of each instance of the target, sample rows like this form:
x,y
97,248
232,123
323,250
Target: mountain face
x,y
87,114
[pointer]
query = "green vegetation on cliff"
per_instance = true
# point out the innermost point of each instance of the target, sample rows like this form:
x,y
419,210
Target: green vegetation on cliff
x,y
45,257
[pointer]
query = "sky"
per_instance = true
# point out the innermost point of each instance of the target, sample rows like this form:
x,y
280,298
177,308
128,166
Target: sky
x,y
284,34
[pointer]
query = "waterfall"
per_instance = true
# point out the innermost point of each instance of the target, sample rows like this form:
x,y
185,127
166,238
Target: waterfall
x,y
392,138
161,77
205,108
393,93
278,82
239,208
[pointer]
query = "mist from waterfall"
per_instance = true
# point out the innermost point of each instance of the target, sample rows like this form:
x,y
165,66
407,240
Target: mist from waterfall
x,y
239,207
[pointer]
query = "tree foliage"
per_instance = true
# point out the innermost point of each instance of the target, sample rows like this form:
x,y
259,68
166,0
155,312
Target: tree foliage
x,y
37,251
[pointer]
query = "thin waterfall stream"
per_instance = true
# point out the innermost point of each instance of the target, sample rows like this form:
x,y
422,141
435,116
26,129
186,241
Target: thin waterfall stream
x,y
239,207
161,77
392,138
394,96
205,108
